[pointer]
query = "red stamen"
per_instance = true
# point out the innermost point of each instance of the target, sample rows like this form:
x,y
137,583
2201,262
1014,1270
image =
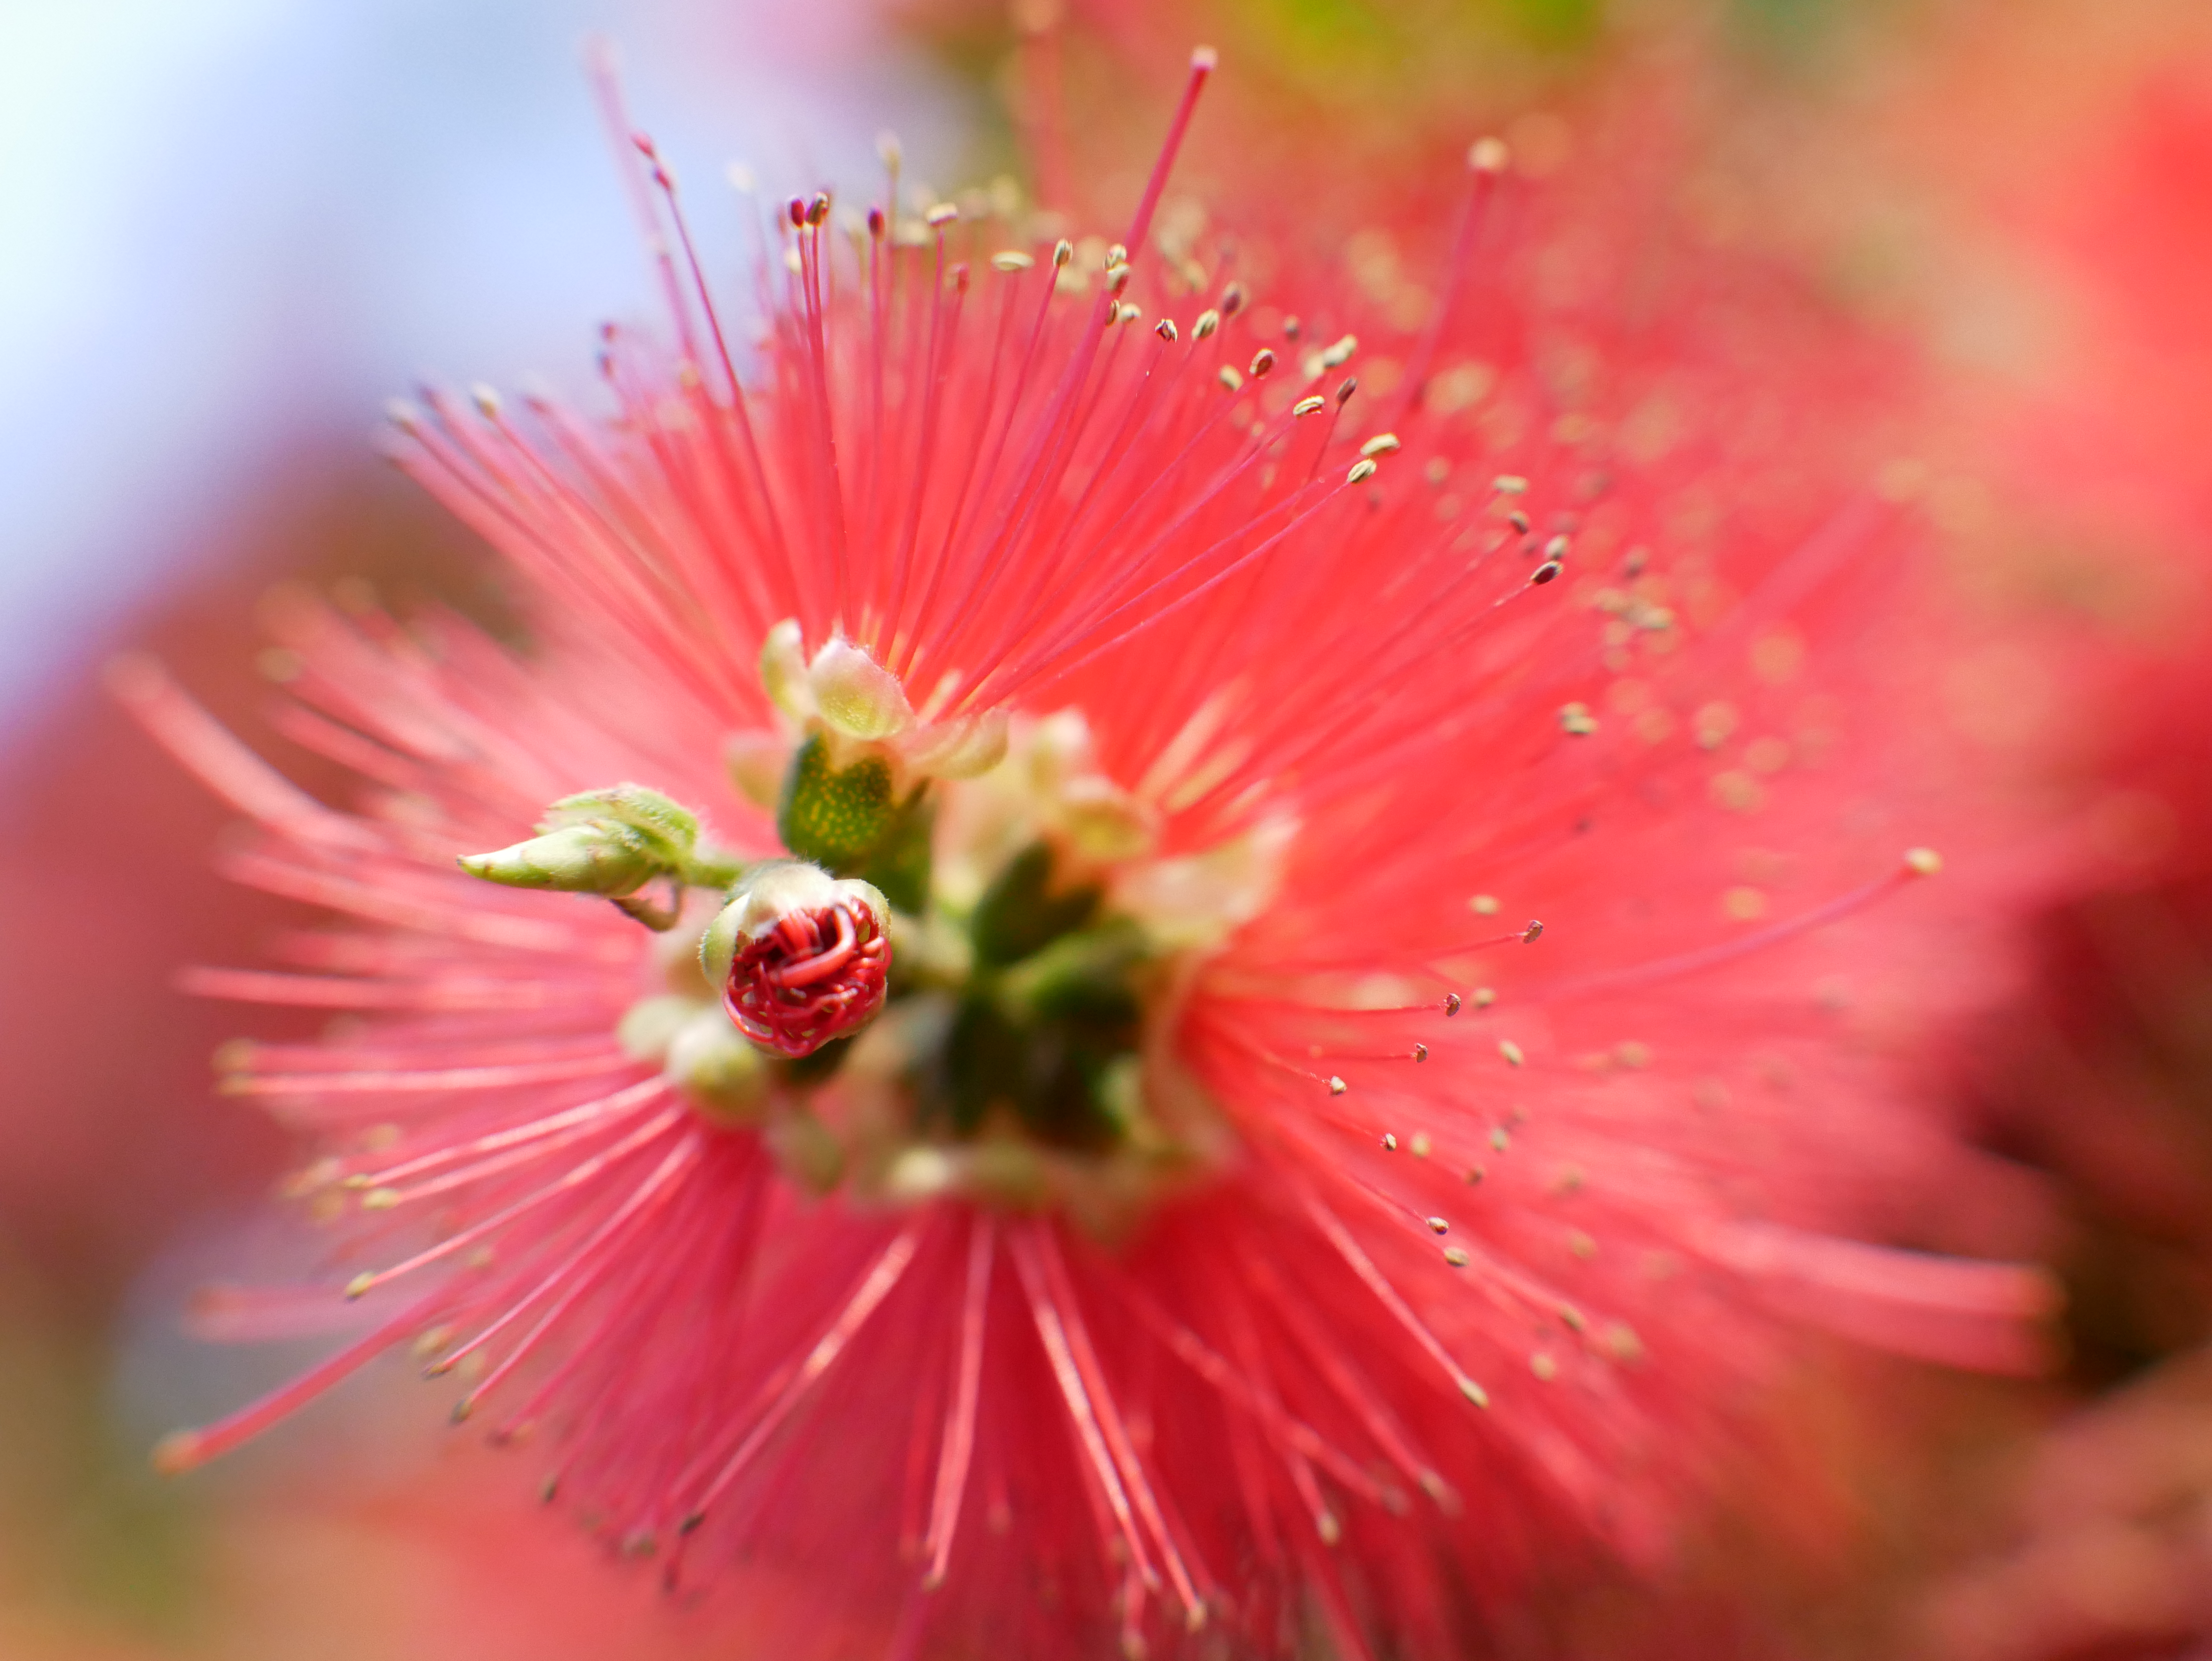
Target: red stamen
x,y
790,993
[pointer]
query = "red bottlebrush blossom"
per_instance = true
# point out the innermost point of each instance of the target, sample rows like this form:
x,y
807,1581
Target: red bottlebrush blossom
x,y
1236,1220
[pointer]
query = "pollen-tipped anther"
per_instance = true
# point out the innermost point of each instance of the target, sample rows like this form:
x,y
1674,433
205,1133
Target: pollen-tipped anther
x,y
799,957
1488,155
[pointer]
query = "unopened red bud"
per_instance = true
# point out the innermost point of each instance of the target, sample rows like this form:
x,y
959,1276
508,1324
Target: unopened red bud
x,y
801,957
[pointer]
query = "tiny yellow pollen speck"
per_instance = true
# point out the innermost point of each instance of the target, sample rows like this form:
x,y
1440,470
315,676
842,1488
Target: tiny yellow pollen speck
x,y
1743,905
1621,1342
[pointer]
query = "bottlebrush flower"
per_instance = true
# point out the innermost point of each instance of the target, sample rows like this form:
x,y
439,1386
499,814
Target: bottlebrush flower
x,y
1244,1215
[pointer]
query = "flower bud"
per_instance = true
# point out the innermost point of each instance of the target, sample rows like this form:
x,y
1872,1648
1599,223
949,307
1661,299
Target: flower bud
x,y
783,671
842,687
963,748
611,859
799,957
718,1072
699,1052
857,697
610,842
1105,822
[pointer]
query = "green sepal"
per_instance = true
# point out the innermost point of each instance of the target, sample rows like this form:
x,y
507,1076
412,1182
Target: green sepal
x,y
1052,1077
1019,914
1085,977
899,864
835,819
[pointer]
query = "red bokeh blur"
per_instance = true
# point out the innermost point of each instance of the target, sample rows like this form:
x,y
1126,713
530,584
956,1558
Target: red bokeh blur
x,y
2025,190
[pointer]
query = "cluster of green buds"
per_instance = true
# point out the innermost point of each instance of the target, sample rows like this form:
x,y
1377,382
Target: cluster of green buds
x,y
615,843
799,955
1032,941
852,795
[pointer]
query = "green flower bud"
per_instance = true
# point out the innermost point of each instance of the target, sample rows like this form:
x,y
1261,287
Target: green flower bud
x,y
966,748
857,696
611,843
807,1150
667,827
649,1026
783,671
718,1070
1105,822
609,860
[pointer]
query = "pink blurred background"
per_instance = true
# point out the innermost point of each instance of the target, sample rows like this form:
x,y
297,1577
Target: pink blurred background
x,y
234,226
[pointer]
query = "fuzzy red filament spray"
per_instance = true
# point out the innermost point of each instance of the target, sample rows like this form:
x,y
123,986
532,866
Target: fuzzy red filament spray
x,y
1219,1218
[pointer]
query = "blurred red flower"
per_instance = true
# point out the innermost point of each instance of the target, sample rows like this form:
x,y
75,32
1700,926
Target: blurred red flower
x,y
1211,667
